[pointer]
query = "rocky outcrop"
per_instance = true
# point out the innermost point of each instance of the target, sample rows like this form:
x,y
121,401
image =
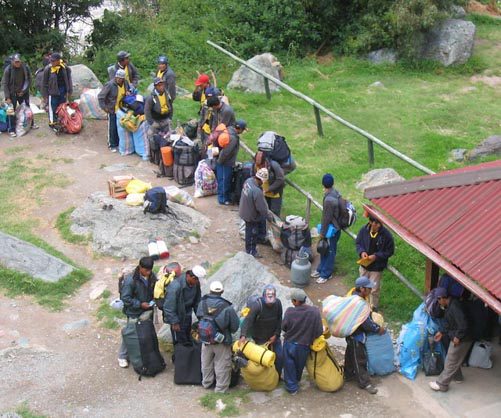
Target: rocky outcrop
x,y
247,80
379,177
491,146
383,56
83,78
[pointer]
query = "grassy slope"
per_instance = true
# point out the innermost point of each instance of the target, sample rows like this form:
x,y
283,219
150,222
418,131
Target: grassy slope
x,y
424,113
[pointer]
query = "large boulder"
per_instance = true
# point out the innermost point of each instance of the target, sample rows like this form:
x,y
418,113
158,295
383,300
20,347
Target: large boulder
x,y
124,231
83,78
243,276
19,255
379,177
247,80
491,146
450,42
383,56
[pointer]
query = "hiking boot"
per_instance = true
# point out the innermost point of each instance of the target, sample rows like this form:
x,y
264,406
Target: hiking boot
x,y
315,274
371,389
437,387
122,362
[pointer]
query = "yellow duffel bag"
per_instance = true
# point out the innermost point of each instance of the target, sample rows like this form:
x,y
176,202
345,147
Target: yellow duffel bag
x,y
260,378
257,353
324,370
137,186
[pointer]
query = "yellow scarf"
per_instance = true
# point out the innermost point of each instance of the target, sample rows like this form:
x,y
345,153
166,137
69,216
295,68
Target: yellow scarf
x,y
120,96
127,73
160,74
164,107
56,68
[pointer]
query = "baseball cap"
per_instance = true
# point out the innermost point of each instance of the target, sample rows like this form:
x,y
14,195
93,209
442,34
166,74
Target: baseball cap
x,y
157,80
212,91
216,287
199,271
202,79
298,294
55,56
120,73
16,58
441,292
241,124
122,55
162,59
364,282
262,174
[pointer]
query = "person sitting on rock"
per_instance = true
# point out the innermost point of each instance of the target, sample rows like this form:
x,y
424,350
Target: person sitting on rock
x,y
264,323
181,299
136,294
158,110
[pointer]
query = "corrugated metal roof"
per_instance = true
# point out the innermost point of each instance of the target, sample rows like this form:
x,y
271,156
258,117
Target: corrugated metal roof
x,y
461,223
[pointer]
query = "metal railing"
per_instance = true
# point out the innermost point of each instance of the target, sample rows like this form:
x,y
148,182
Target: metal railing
x,y
317,107
311,201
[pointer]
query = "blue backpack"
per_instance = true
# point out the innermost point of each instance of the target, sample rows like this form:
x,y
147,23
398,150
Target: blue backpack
x,y
155,200
208,330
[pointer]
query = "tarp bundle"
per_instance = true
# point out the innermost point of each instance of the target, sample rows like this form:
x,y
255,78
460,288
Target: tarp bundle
x,y
344,314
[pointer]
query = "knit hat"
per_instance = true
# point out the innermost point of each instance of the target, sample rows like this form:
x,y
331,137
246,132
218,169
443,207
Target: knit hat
x,y
55,56
328,180
262,174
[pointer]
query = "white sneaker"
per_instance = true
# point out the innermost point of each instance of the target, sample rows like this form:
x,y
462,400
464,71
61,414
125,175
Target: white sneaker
x,y
123,363
315,274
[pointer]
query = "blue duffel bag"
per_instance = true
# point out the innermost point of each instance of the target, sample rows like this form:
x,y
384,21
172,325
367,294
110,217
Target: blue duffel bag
x,y
380,354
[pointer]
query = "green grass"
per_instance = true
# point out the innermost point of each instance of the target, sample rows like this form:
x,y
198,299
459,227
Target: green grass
x,y
22,183
15,150
232,400
25,412
423,110
106,315
63,224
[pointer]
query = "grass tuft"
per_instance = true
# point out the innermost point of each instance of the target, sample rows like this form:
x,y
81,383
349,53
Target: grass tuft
x,y
106,315
232,400
25,412
63,224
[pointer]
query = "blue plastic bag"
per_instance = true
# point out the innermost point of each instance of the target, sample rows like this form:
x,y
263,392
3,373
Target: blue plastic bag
x,y
410,342
380,354
331,230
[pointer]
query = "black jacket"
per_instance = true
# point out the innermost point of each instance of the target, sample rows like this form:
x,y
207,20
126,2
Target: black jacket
x,y
108,95
51,84
176,306
276,179
169,78
152,108
330,213
133,74
227,320
385,246
228,155
135,291
8,81
263,321
456,324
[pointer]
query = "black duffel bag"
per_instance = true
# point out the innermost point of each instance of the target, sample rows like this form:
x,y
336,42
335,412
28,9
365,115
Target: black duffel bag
x,y
188,363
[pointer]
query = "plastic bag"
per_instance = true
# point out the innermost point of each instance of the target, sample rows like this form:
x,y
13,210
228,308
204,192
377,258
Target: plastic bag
x,y
176,195
135,199
344,315
380,354
137,186
410,343
205,180
89,105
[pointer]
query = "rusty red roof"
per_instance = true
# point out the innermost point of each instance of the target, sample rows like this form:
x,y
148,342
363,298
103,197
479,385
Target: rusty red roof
x,y
457,214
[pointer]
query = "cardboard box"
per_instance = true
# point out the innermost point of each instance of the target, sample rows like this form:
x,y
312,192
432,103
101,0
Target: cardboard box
x,y
117,185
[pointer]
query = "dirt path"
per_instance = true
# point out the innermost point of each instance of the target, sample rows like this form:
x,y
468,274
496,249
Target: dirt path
x,y
74,373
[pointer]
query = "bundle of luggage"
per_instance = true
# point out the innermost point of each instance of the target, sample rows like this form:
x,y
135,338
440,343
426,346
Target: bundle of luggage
x,y
70,118
323,367
295,235
275,147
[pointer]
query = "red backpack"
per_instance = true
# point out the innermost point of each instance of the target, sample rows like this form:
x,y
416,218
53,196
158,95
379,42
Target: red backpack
x,y
70,117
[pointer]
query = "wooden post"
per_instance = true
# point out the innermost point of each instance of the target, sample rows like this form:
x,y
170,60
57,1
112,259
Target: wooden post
x,y
319,121
431,275
267,88
370,147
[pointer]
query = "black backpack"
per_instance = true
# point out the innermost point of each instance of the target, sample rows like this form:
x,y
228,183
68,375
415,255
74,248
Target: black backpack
x,y
185,154
347,213
274,148
157,200
241,172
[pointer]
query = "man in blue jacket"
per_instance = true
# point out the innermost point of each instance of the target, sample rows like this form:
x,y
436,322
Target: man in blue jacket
x,y
375,246
137,296
355,356
181,300
216,356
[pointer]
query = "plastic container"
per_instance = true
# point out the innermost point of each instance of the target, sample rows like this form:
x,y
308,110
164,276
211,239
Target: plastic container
x,y
163,251
301,270
153,250
167,156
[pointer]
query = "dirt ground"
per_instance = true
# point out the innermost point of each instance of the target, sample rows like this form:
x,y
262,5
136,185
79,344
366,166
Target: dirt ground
x,y
75,373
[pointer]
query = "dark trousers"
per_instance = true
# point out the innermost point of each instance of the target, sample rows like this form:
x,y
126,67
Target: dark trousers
x,y
275,204
15,99
295,356
251,234
223,174
54,102
355,362
184,335
326,266
113,139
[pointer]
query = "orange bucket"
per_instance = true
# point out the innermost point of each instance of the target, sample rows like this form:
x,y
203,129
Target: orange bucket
x,y
167,156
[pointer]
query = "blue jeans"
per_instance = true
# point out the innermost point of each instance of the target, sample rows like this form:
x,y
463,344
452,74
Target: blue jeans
x,y
223,174
326,266
251,234
54,102
295,356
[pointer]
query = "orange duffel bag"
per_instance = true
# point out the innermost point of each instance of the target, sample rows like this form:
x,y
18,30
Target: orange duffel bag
x,y
167,156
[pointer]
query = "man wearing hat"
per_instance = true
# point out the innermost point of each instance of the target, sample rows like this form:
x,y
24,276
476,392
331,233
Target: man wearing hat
x,y
123,63
226,161
302,324
137,297
158,109
202,83
253,210
216,356
329,229
264,323
355,356
57,85
165,72
16,83
374,244
110,98
181,299
456,329
221,112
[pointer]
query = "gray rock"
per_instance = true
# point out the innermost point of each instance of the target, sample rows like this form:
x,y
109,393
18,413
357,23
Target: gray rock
x,y
458,154
83,78
10,415
377,84
247,80
457,12
383,56
193,239
450,42
491,146
124,231
116,167
24,257
378,177
74,326
243,276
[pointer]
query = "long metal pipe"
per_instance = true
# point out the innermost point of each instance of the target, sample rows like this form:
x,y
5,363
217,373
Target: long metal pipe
x,y
326,111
